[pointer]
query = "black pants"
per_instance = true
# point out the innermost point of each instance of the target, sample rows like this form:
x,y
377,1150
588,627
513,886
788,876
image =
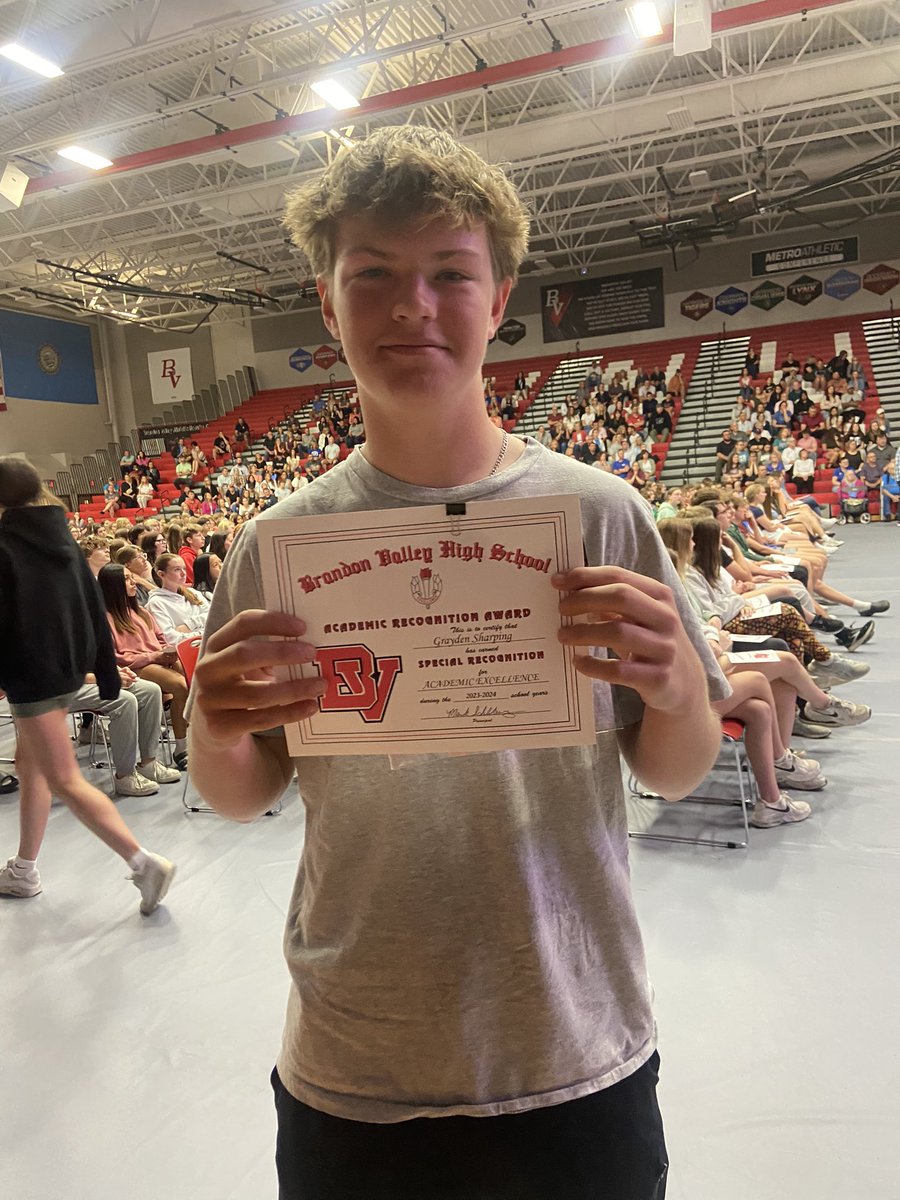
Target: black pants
x,y
606,1146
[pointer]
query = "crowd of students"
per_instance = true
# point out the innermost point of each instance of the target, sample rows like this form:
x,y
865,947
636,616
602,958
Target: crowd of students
x,y
812,417
753,564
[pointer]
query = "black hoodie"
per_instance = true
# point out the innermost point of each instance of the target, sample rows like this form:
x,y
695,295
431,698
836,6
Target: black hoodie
x,y
53,627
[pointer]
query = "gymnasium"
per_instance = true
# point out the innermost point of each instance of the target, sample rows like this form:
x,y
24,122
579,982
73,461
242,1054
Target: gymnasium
x,y
707,308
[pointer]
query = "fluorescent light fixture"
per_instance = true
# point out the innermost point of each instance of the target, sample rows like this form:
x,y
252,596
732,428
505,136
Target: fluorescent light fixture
x,y
34,62
644,18
742,195
86,158
334,94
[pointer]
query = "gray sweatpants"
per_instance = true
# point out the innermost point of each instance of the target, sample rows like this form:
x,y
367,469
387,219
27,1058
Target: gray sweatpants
x,y
134,721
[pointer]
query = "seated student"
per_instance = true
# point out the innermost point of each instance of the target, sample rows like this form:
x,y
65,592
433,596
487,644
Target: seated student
x,y
207,569
96,552
803,473
135,562
221,446
192,545
135,720
180,612
870,474
242,431
890,492
112,493
141,647
851,492
713,589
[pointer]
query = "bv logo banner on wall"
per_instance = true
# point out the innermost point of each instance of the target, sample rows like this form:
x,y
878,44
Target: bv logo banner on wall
x,y
45,359
607,305
171,378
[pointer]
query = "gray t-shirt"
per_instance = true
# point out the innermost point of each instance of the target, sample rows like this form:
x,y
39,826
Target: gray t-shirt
x,y
461,936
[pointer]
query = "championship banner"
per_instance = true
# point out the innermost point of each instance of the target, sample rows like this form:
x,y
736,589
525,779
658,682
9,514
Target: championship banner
x,y
842,284
511,331
826,253
696,306
767,295
804,290
171,378
881,279
599,307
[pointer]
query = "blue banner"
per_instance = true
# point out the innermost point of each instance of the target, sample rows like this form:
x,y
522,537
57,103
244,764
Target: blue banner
x,y
45,359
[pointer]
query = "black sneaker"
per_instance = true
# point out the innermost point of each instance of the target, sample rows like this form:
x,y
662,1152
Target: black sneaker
x,y
827,624
877,606
850,639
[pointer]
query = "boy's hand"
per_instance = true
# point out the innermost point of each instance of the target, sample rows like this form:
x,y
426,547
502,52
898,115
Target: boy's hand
x,y
235,688
637,618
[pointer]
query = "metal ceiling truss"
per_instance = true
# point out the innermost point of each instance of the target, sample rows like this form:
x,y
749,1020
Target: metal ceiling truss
x,y
586,143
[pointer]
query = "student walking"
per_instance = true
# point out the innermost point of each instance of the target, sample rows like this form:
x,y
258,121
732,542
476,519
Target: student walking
x,y
54,636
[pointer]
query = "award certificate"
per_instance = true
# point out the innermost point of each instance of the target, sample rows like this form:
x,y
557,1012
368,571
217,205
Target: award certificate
x,y
435,627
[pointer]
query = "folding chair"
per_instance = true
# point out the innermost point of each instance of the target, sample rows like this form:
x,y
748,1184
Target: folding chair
x,y
99,725
188,653
733,744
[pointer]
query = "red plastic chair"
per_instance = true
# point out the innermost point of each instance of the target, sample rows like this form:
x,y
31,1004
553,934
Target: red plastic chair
x,y
188,652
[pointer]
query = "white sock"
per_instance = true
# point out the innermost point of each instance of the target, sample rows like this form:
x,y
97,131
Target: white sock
x,y
859,605
784,760
180,745
24,865
138,861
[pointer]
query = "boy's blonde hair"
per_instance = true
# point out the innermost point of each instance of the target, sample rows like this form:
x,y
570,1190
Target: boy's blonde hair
x,y
402,173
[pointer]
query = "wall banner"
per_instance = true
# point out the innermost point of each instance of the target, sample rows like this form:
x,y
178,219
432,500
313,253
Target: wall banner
x,y
45,359
696,306
804,290
825,253
171,379
842,284
881,279
731,301
606,305
325,357
767,295
301,360
511,331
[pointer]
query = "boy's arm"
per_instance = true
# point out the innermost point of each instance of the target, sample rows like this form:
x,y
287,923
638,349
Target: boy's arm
x,y
677,740
235,695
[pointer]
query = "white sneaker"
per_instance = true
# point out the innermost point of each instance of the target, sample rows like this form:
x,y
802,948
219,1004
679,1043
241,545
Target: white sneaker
x,y
153,881
767,816
800,773
837,669
135,785
828,522
158,772
839,713
14,882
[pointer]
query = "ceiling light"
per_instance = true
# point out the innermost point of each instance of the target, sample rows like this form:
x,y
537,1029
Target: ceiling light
x,y
334,94
34,62
644,18
86,158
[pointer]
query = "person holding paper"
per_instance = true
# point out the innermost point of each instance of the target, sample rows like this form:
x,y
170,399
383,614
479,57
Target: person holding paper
x,y
462,937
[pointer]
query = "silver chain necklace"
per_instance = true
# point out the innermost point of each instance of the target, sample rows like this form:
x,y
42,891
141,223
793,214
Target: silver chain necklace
x,y
503,445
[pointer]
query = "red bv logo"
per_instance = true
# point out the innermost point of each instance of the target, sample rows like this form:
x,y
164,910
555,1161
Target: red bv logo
x,y
357,680
168,372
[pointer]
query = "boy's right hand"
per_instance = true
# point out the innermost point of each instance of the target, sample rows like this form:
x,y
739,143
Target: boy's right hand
x,y
235,687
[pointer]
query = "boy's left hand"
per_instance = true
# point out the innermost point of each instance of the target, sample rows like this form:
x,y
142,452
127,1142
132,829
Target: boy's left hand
x,y
637,618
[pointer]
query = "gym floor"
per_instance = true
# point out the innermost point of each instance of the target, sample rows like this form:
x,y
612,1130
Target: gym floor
x,y
135,1053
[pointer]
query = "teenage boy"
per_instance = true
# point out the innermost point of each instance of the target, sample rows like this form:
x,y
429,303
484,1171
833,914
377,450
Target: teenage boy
x,y
462,937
